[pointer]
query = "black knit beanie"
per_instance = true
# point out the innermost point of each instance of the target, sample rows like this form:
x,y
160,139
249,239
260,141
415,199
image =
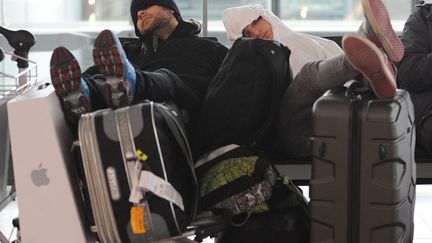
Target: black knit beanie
x,y
137,5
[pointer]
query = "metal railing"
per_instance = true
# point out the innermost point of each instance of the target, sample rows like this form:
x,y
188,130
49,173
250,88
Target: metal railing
x,y
12,84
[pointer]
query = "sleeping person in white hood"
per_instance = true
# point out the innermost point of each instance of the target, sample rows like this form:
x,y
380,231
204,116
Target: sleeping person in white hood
x,y
304,47
319,64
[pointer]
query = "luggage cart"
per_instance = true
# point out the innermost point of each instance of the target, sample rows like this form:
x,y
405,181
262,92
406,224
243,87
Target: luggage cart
x,y
12,84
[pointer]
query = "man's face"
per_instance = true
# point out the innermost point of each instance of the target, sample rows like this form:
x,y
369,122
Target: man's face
x,y
259,28
152,19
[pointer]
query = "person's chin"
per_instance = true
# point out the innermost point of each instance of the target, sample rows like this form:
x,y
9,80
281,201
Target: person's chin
x,y
147,30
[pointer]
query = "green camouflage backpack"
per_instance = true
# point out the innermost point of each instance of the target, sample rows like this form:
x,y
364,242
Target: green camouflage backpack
x,y
235,179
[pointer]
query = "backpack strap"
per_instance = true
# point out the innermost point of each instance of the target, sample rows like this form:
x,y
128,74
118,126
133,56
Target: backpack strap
x,y
280,81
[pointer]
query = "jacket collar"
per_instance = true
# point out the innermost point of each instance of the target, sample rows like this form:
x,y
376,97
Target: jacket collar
x,y
186,28
183,29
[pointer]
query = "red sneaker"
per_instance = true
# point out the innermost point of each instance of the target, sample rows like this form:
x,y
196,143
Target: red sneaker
x,y
370,61
68,84
111,61
379,30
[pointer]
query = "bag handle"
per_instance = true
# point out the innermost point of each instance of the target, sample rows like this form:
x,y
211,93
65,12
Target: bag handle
x,y
127,144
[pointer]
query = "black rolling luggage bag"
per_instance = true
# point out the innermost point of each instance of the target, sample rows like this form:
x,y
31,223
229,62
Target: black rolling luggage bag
x,y
139,173
364,173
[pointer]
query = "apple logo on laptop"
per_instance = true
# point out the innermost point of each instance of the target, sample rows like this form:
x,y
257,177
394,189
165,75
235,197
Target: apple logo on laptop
x,y
39,176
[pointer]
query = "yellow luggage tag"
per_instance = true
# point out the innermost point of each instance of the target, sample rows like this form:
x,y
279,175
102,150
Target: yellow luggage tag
x,y
137,212
137,220
141,155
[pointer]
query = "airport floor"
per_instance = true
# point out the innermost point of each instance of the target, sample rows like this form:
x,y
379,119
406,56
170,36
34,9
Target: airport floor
x,y
422,216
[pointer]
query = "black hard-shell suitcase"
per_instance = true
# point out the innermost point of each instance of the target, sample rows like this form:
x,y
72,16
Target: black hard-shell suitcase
x,y
363,174
139,173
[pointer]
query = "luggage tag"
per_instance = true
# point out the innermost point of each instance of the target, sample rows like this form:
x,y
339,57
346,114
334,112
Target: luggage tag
x,y
161,188
144,181
137,211
137,219
136,193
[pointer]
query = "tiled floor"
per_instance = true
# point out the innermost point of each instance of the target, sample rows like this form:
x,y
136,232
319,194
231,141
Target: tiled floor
x,y
422,216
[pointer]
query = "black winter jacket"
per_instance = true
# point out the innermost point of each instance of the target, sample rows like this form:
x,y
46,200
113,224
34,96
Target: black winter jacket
x,y
415,69
194,60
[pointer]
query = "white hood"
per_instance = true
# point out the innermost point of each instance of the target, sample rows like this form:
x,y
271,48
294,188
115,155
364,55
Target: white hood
x,y
304,48
236,19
